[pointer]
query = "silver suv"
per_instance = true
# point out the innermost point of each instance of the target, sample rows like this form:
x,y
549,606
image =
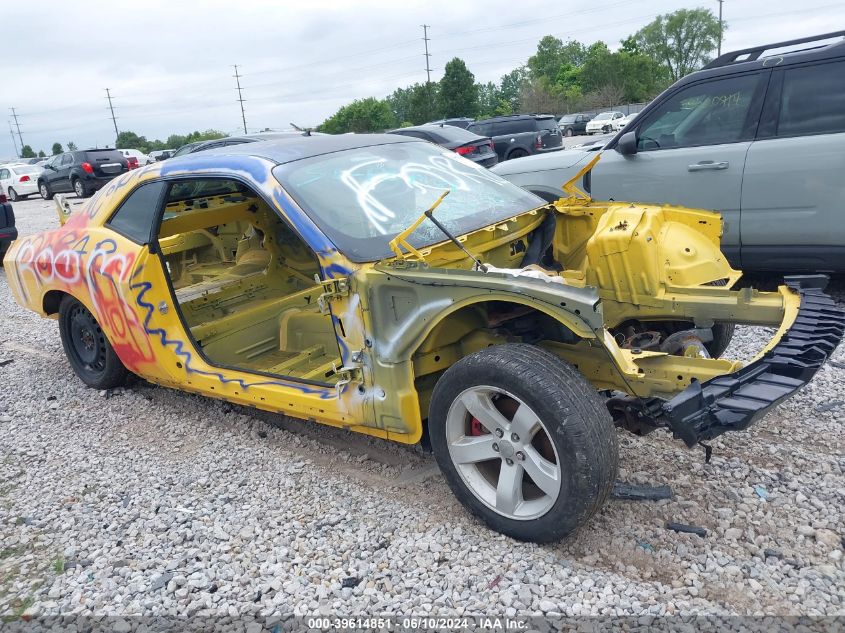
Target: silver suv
x,y
760,139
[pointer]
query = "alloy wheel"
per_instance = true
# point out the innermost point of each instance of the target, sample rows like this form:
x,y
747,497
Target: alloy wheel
x,y
503,453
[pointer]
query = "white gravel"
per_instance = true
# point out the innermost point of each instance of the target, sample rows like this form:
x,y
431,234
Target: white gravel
x,y
151,501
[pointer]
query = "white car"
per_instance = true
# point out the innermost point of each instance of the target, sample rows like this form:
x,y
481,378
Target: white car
x,y
625,121
19,181
143,159
605,122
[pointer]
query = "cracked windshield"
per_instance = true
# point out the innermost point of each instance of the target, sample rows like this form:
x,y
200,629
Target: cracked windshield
x,y
363,198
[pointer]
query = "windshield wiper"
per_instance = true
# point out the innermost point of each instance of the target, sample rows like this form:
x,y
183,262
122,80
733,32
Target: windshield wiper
x,y
401,240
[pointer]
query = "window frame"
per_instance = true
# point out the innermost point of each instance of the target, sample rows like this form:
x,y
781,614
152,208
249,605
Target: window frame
x,y
152,240
750,124
770,117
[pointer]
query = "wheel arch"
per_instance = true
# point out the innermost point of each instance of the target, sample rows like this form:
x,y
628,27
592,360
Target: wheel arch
x,y
51,301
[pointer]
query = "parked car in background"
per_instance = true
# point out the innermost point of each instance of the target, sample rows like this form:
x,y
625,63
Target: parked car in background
x,y
28,161
574,124
520,135
462,122
478,149
201,146
8,231
604,122
140,157
594,142
161,154
626,120
82,172
761,139
19,181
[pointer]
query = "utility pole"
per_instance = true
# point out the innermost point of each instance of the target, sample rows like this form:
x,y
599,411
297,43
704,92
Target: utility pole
x,y
113,119
18,125
240,95
427,68
719,51
14,142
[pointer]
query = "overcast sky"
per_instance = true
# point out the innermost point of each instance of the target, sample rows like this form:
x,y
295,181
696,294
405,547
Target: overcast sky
x,y
168,64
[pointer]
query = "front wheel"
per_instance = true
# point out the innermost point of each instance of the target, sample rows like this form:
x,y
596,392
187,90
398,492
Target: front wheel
x,y
524,441
87,349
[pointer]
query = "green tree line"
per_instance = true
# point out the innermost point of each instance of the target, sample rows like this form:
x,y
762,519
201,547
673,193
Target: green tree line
x,y
559,77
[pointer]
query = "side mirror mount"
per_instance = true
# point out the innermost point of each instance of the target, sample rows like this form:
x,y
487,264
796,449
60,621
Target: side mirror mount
x,y
627,145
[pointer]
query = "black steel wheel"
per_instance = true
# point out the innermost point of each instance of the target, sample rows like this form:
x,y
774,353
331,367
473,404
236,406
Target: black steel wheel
x,y
87,349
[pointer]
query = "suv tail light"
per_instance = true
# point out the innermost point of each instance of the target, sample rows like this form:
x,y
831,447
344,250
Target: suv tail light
x,y
86,167
466,149
24,179
538,144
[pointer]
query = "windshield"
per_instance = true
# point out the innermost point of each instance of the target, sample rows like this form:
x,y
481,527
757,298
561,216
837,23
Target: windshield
x,y
604,116
362,198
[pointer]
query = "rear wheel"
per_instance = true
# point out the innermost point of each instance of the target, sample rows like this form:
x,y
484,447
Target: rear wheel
x,y
87,348
524,441
80,189
13,195
517,153
45,192
568,131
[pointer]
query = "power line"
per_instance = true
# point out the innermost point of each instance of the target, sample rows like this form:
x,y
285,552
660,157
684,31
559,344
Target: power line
x,y
14,142
18,125
240,96
113,119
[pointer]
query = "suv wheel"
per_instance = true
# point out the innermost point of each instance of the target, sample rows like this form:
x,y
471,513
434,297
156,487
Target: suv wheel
x,y
45,192
524,441
80,189
517,153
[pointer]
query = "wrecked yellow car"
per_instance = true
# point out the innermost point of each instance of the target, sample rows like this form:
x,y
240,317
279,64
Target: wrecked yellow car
x,y
390,287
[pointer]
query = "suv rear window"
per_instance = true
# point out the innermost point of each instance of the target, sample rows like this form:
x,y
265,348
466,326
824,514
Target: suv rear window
x,y
101,156
813,100
517,126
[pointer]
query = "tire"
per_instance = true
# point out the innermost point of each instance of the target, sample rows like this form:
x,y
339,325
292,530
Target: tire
x,y
572,436
517,153
87,349
569,132
13,195
723,333
44,190
80,189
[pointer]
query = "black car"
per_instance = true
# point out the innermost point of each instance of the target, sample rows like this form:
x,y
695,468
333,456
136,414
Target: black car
x,y
520,134
8,232
574,124
461,122
82,172
478,149
201,146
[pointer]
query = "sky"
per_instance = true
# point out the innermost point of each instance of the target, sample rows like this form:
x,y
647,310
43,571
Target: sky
x,y
168,63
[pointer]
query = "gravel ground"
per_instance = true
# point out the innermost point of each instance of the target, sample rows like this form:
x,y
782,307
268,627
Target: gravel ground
x,y
146,500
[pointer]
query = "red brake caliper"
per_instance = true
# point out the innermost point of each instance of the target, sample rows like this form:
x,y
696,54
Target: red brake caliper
x,y
476,428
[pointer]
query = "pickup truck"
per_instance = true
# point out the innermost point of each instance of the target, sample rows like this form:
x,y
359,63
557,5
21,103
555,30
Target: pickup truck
x,y
8,232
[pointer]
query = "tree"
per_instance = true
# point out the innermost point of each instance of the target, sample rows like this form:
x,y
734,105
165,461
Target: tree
x,y
360,116
130,140
681,41
41,154
488,99
551,54
27,152
423,105
458,94
57,149
510,87
71,146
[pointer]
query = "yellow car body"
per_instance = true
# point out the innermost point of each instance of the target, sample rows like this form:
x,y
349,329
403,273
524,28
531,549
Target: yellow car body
x,y
398,322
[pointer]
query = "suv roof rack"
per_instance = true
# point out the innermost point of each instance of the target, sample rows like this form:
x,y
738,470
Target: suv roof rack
x,y
755,52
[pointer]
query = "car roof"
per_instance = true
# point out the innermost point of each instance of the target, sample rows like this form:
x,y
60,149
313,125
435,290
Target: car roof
x,y
298,147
